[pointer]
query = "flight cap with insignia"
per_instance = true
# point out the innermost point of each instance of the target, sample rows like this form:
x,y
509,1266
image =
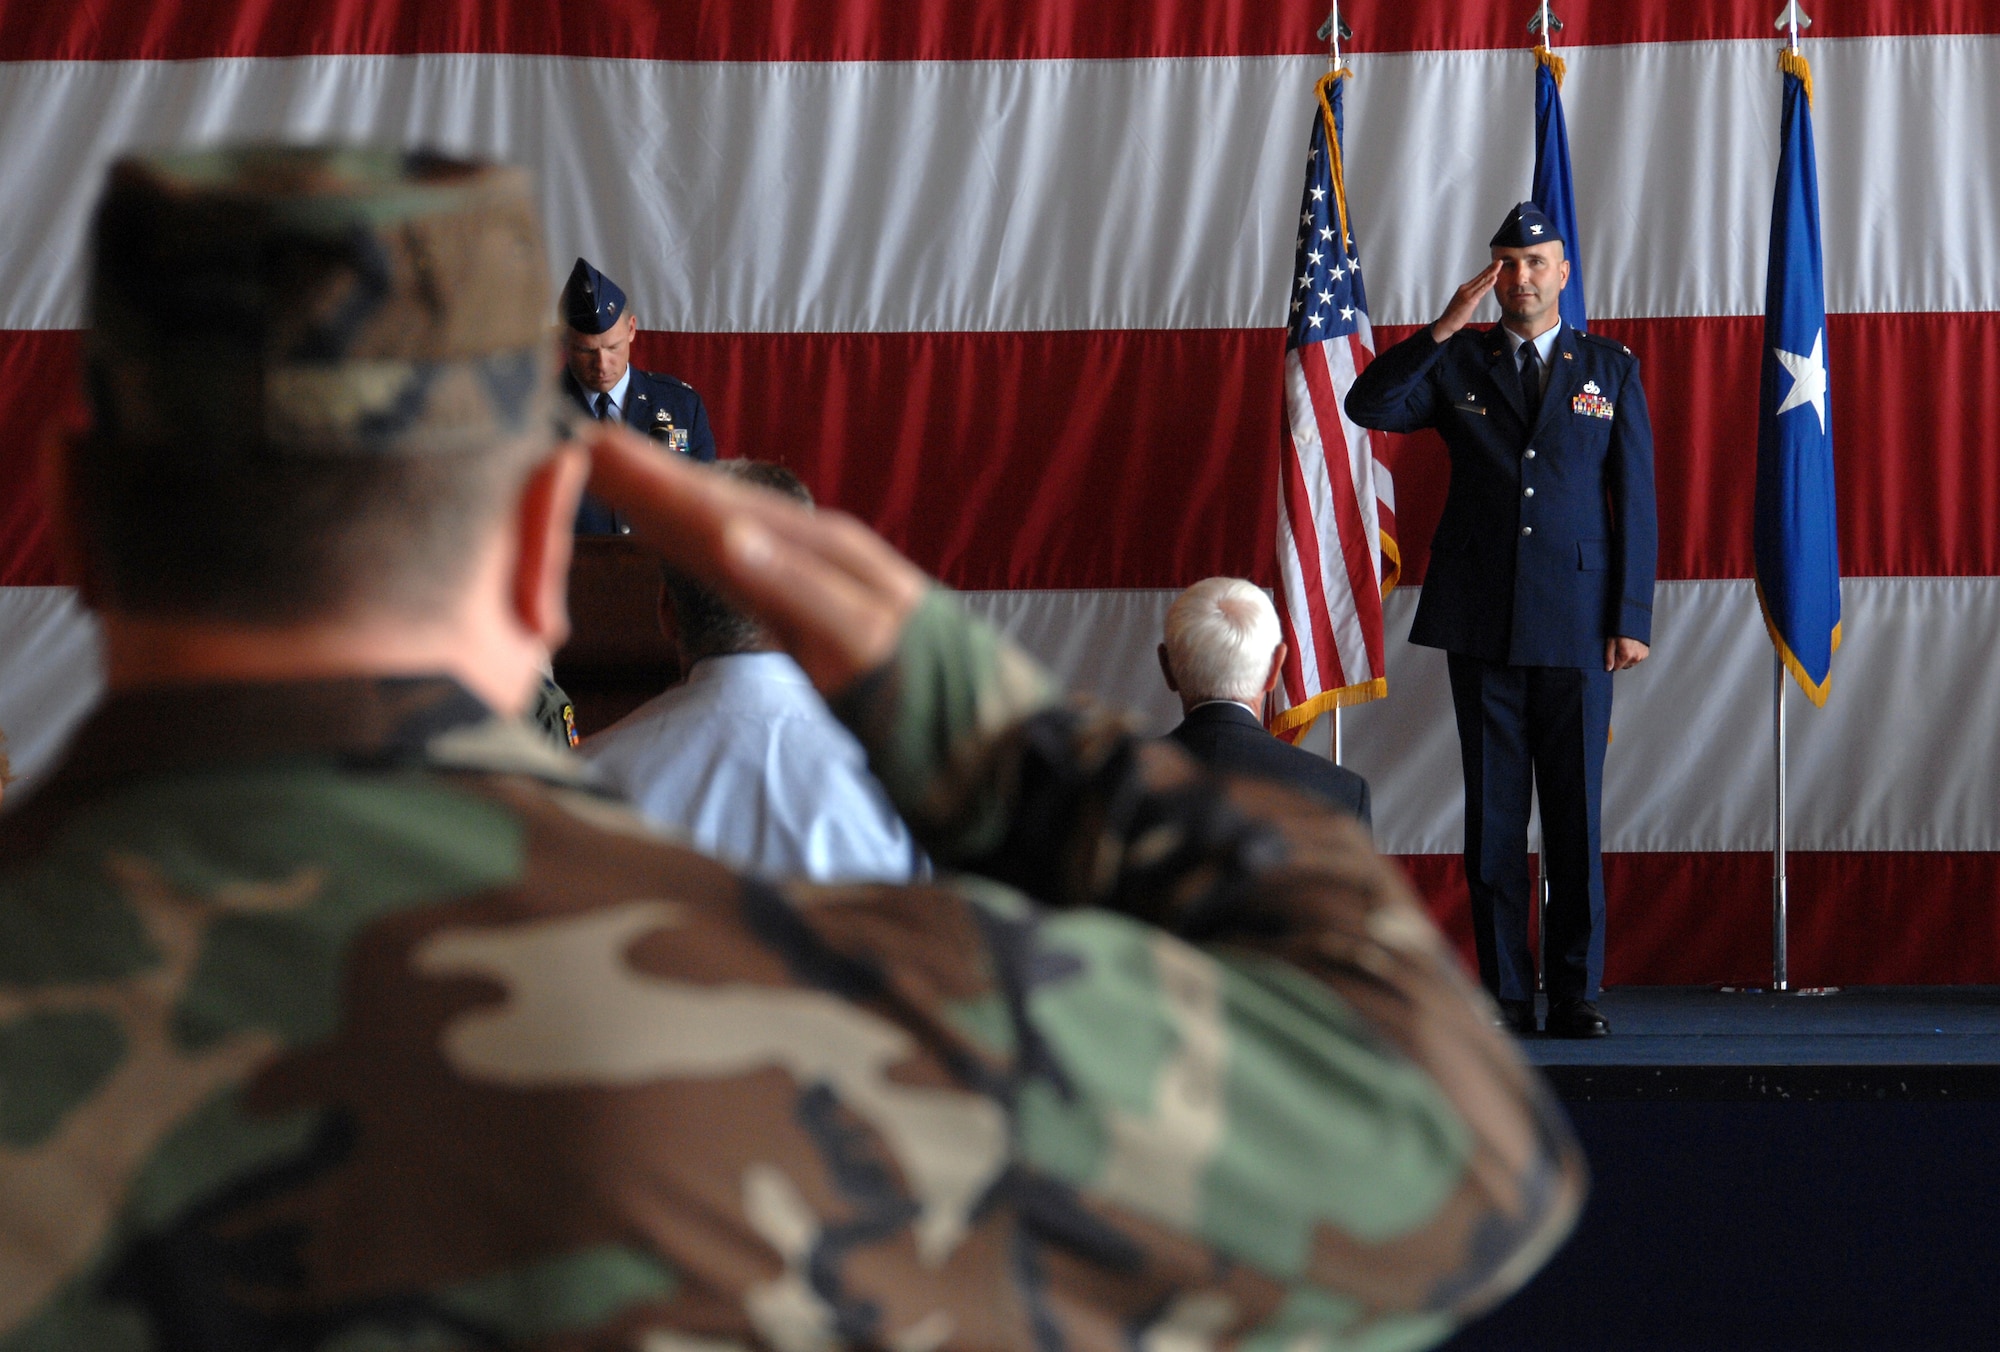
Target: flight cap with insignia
x,y
591,302
318,300
1524,228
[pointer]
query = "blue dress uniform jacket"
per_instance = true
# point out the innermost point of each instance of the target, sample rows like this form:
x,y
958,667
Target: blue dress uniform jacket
x,y
1548,542
660,406
665,409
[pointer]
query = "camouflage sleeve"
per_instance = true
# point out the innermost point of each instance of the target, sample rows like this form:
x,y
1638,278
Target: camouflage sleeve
x,y
1282,1064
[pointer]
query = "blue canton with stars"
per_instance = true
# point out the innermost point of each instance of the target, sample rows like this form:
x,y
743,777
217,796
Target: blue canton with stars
x,y
1327,299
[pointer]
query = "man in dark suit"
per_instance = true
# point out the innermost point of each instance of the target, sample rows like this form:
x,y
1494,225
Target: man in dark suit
x,y
1540,587
1222,656
601,381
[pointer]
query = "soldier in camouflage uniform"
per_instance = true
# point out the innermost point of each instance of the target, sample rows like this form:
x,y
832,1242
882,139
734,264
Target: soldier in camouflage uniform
x,y
338,1012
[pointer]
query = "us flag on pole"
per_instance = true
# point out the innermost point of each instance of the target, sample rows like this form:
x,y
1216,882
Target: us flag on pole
x,y
1337,555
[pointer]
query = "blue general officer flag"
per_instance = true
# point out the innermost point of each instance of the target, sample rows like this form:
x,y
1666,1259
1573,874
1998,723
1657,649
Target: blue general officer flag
x,y
1797,547
1552,192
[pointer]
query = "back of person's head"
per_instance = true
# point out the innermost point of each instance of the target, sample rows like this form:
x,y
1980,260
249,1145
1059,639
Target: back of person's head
x,y
1221,633
318,376
707,624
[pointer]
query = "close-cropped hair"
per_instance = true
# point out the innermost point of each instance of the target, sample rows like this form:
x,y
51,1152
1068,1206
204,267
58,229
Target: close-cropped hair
x,y
1221,633
247,535
709,625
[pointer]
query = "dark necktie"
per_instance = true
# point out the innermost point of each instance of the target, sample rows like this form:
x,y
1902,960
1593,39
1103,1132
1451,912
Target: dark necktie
x,y
604,407
1531,381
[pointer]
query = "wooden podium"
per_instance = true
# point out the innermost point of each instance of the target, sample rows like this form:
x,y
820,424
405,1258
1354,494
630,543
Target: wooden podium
x,y
615,659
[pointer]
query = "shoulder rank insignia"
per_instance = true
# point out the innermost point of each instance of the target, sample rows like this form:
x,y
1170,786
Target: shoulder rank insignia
x,y
1591,404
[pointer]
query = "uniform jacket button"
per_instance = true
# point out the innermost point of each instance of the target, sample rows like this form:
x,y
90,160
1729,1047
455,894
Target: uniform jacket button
x,y
1527,530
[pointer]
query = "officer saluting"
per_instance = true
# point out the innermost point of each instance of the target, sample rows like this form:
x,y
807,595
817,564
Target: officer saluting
x,y
1540,586
601,381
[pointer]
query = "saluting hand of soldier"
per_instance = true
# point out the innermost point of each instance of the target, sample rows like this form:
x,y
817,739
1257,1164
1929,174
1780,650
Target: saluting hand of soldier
x,y
1465,302
835,593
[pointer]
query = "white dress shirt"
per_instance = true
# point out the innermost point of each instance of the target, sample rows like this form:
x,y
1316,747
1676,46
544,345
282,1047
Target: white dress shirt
x,y
617,393
1545,347
745,759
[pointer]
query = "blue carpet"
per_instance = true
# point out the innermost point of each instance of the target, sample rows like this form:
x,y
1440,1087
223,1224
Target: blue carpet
x,y
1775,1173
1858,1026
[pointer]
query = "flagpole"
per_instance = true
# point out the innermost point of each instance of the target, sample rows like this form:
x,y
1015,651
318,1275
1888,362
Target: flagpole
x,y
1781,976
1543,23
1333,30
1780,959
1334,27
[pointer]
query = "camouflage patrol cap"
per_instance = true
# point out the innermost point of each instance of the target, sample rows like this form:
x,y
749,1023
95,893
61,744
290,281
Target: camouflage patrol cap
x,y
318,300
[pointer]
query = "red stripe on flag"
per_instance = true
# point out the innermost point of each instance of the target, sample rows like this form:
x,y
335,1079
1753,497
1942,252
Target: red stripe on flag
x,y
1306,544
1877,918
888,30
37,394
1129,458
1358,548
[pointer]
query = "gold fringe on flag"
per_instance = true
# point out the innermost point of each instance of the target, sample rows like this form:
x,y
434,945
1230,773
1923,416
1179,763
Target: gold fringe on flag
x,y
1557,66
1815,691
1795,63
1338,168
1295,722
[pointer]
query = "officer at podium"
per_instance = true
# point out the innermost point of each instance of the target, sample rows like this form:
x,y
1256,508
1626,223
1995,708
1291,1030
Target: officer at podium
x,y
602,382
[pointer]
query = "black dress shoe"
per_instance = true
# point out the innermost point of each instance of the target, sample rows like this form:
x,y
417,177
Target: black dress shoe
x,y
1518,1017
1576,1018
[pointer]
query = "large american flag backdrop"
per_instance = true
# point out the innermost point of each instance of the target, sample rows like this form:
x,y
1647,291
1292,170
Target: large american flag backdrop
x,y
1009,278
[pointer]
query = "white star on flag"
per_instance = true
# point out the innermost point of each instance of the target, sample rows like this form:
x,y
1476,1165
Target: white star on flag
x,y
1808,379
1319,194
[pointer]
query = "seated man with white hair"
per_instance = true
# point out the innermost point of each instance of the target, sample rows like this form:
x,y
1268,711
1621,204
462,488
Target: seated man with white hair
x,y
1222,656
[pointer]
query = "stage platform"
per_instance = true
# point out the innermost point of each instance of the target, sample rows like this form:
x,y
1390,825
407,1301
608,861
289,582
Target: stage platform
x,y
1776,1172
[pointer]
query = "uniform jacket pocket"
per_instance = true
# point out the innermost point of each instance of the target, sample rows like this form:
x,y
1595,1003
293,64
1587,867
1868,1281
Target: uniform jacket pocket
x,y
1592,556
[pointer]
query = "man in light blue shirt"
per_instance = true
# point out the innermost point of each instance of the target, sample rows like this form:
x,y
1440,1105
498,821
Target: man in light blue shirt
x,y
743,757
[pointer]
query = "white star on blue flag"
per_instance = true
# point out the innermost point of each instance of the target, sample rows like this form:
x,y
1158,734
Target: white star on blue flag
x,y
1796,531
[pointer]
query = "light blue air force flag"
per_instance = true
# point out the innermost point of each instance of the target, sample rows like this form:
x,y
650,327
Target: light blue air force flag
x,y
1798,555
1553,193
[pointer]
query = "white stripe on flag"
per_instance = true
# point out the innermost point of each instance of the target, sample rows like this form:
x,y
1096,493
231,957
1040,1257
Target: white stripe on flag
x,y
1323,563
1013,195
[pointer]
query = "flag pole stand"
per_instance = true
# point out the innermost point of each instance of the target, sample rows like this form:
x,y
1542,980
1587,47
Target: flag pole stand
x,y
1781,976
1781,961
1789,22
1542,921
